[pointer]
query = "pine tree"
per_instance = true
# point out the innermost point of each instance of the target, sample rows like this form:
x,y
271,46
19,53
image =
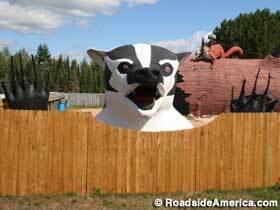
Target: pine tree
x,y
93,83
100,79
257,33
82,76
4,67
63,76
43,54
75,80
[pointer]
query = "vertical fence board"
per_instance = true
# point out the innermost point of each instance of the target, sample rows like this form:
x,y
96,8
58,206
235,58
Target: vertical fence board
x,y
273,151
79,158
97,134
259,143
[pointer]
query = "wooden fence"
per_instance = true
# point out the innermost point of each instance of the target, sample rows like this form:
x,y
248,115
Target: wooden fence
x,y
85,99
52,152
1,104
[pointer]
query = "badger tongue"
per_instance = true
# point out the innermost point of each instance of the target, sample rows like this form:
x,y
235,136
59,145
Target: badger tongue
x,y
160,89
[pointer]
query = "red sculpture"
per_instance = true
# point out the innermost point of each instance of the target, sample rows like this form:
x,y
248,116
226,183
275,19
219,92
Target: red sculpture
x,y
212,51
217,51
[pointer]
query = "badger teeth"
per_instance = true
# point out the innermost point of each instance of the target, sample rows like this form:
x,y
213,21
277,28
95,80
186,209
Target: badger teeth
x,y
160,89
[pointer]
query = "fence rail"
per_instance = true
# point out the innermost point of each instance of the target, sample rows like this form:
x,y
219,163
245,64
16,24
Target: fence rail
x,y
52,152
85,99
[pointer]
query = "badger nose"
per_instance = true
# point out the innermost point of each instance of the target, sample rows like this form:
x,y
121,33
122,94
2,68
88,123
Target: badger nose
x,y
145,76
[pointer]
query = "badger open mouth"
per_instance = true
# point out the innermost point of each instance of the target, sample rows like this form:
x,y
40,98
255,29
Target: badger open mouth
x,y
144,96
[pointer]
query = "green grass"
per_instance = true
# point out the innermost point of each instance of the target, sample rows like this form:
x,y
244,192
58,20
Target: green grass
x,y
99,200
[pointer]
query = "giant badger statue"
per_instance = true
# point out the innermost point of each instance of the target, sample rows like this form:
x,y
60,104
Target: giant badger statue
x,y
140,82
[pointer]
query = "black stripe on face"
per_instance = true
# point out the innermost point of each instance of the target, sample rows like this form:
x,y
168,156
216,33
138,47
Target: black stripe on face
x,y
126,51
160,53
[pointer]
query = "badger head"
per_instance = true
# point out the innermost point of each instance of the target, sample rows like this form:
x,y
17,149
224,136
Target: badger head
x,y
143,75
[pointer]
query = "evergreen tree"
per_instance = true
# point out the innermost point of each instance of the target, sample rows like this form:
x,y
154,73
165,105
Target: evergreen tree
x,y
94,79
4,67
257,33
82,76
65,75
68,75
89,80
100,79
43,54
52,72
74,80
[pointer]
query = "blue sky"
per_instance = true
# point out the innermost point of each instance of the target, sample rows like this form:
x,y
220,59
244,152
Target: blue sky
x,y
73,26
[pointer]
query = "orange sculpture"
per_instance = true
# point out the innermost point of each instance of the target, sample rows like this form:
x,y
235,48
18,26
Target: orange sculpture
x,y
216,51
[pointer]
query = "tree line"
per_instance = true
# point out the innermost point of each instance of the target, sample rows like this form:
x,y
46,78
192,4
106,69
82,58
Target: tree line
x,y
257,33
65,75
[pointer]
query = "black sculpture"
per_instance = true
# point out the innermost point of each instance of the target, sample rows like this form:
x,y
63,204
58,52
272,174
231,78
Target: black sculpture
x,y
24,95
254,102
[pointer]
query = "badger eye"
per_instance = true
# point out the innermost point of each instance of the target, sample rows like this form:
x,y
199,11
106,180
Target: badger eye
x,y
167,69
124,67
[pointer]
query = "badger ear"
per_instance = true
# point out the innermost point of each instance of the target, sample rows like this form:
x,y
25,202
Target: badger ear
x,y
182,56
97,56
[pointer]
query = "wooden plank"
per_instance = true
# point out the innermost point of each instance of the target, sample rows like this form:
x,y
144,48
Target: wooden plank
x,y
237,152
57,153
5,155
272,134
226,152
1,104
259,152
95,136
12,149
22,175
42,150
80,164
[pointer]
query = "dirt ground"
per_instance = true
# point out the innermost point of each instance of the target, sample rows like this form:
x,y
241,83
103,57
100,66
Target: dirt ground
x,y
101,201
195,120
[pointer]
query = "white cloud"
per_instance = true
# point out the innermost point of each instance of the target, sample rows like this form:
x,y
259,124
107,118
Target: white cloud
x,y
72,7
43,16
132,3
6,43
27,20
180,45
184,45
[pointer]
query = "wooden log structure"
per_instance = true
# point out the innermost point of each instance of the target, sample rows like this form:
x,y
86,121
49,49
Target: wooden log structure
x,y
211,89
